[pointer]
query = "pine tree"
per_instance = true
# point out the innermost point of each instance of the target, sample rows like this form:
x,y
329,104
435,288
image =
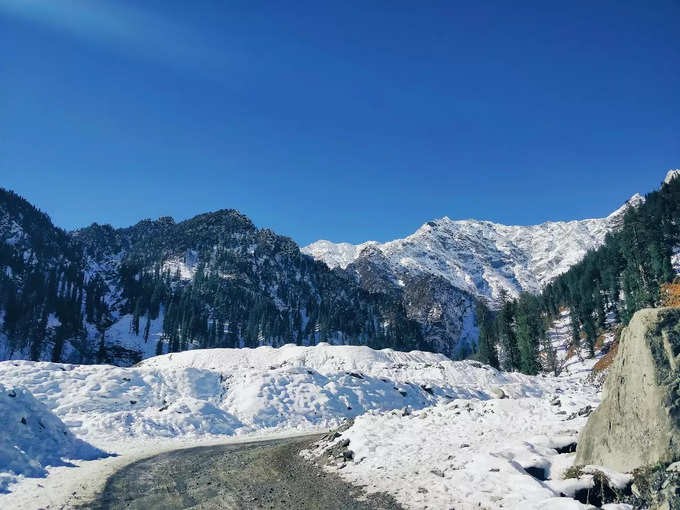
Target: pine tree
x,y
134,324
528,333
487,352
508,338
147,327
591,334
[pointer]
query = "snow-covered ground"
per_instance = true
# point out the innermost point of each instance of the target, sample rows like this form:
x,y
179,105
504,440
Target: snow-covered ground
x,y
203,396
477,452
204,393
469,453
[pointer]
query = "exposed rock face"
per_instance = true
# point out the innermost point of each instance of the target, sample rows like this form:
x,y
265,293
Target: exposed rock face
x,y
445,313
638,422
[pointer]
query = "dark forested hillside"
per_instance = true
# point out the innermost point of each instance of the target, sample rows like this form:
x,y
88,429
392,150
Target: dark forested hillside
x,y
41,281
211,281
620,278
224,283
101,294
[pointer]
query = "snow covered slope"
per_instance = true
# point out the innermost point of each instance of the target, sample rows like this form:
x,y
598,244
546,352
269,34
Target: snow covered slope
x,y
672,174
31,438
481,257
336,254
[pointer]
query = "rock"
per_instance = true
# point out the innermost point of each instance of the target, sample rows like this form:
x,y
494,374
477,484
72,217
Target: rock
x,y
638,421
537,472
332,435
567,448
656,487
635,491
497,392
585,411
427,389
437,472
602,491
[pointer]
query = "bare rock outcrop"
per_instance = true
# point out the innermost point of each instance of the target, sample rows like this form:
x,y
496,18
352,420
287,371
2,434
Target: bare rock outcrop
x,y
638,422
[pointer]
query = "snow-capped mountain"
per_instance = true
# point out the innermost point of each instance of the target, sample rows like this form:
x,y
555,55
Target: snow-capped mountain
x,y
101,294
481,258
441,270
672,174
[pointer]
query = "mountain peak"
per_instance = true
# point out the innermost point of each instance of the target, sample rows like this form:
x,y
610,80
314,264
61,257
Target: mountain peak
x,y
633,201
482,257
672,174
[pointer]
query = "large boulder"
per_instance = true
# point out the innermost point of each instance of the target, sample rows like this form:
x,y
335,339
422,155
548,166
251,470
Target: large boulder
x,y
638,422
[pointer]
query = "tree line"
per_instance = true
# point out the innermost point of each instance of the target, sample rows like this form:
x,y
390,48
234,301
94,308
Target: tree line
x,y
621,277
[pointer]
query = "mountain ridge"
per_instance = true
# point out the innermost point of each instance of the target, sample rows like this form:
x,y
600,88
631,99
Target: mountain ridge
x,y
343,254
118,295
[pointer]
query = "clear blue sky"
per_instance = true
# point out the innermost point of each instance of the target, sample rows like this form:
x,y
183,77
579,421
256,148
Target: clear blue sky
x,y
339,120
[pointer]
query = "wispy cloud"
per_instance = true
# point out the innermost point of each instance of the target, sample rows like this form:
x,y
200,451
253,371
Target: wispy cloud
x,y
122,27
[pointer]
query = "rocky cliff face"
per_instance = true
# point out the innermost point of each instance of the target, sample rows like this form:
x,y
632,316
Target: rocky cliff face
x,y
638,422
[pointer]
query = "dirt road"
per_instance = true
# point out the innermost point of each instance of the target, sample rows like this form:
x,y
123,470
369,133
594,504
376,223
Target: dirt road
x,y
256,475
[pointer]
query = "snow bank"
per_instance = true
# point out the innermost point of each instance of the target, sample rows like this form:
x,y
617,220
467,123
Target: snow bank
x,y
237,391
31,438
470,453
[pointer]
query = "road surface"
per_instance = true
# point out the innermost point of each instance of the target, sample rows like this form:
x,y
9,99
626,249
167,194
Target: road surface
x,y
255,475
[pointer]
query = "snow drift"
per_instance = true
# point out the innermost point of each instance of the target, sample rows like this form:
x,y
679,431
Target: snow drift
x,y
237,391
31,438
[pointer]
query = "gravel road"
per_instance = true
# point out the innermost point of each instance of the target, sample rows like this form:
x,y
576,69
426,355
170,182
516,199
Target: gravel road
x,y
256,475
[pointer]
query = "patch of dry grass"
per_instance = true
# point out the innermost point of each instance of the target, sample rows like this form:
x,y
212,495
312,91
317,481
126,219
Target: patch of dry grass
x,y
606,361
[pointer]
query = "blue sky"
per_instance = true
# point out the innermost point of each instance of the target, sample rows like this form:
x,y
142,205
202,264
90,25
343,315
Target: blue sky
x,y
339,120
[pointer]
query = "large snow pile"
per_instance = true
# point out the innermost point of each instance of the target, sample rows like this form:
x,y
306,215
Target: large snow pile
x,y
31,438
236,391
427,429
